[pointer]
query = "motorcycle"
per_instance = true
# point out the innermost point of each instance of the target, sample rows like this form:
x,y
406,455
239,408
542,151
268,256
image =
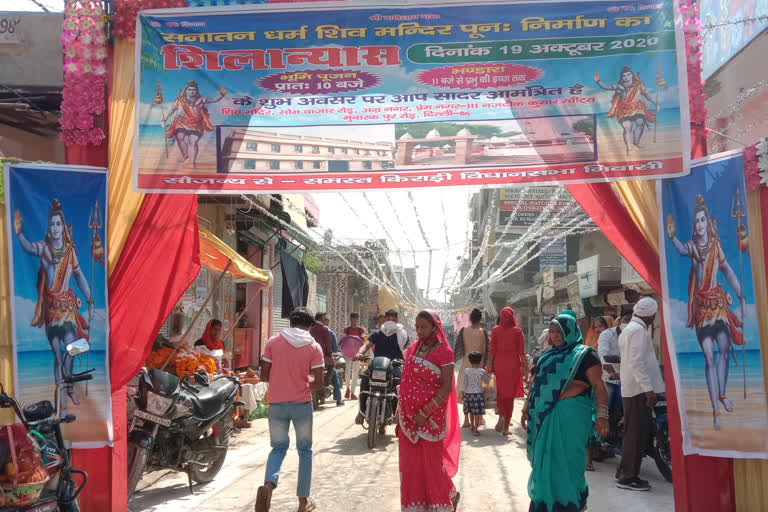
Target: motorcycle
x,y
383,378
319,396
658,447
43,421
183,424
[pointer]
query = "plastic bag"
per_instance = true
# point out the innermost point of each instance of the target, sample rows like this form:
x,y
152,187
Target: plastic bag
x,y
489,393
259,412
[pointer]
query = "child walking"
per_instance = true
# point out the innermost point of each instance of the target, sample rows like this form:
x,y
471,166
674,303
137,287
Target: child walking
x,y
472,389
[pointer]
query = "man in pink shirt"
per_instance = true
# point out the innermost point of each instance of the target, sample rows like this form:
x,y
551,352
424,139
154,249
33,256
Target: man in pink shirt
x,y
288,360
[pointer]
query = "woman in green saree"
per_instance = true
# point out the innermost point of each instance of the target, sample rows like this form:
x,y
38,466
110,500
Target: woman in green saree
x,y
558,419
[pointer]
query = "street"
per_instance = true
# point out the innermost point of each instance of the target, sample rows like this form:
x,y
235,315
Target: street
x,y
347,476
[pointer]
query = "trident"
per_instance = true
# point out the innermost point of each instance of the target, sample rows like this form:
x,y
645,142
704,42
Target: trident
x,y
95,223
743,245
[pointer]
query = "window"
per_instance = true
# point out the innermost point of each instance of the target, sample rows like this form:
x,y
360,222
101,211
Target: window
x,y
331,151
275,148
274,165
298,164
367,152
317,164
298,148
367,164
315,150
345,151
357,151
251,146
249,163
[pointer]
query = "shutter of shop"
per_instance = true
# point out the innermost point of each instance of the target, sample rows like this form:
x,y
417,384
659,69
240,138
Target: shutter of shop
x,y
278,322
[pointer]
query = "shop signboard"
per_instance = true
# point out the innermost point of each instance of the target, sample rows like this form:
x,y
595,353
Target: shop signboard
x,y
346,95
710,312
521,206
554,254
588,271
574,297
729,26
549,284
628,274
58,282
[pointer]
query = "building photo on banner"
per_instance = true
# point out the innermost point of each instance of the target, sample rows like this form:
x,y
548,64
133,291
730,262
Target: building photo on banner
x,y
57,240
345,97
709,309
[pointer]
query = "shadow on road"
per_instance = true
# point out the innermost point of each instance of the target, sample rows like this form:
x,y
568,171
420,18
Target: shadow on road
x,y
357,445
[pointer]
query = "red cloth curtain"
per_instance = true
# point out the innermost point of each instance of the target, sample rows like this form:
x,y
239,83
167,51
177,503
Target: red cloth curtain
x,y
160,259
701,483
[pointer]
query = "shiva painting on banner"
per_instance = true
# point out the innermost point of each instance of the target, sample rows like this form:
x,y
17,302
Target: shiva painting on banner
x,y
709,309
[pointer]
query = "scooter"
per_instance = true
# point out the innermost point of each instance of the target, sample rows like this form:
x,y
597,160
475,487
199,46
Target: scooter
x,y
43,421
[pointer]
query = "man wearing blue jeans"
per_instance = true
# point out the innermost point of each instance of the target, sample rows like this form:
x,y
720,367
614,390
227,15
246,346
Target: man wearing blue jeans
x,y
288,360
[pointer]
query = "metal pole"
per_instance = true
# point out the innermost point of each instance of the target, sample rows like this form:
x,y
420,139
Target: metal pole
x,y
219,279
429,276
242,313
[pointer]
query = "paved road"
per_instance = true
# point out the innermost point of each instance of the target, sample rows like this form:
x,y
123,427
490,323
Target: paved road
x,y
492,477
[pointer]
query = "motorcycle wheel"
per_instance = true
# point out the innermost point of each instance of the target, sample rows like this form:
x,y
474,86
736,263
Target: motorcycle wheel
x,y
372,423
137,461
220,437
662,455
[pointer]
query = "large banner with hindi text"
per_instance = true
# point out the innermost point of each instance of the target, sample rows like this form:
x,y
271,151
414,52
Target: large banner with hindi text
x,y
710,315
352,95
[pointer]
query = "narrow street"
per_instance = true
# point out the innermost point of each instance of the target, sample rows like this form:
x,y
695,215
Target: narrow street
x,y
347,476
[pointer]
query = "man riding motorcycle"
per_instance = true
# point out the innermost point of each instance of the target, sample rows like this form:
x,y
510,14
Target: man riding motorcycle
x,y
390,341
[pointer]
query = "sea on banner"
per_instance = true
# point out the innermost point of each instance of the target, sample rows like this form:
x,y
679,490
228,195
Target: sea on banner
x,y
709,309
57,253
293,97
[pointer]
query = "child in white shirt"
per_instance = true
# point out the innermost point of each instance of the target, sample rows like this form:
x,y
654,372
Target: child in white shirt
x,y
472,390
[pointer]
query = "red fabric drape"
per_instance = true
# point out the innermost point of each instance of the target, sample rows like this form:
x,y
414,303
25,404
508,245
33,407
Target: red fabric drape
x,y
160,259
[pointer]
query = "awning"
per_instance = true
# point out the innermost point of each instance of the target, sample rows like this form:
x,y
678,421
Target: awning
x,y
214,255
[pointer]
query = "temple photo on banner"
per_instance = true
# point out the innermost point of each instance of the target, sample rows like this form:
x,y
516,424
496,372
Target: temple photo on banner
x,y
709,309
59,308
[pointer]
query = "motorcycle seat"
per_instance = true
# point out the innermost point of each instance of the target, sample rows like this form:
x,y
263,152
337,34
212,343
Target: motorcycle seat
x,y
208,400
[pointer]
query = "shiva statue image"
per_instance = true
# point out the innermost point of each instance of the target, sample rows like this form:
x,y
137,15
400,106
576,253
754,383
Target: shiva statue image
x,y
192,122
57,307
709,310
628,107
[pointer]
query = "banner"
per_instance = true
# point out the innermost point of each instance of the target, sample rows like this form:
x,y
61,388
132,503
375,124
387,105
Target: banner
x,y
522,206
57,252
713,339
554,255
303,97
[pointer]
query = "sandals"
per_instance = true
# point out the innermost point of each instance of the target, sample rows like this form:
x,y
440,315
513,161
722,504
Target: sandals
x,y
311,505
590,467
263,499
456,500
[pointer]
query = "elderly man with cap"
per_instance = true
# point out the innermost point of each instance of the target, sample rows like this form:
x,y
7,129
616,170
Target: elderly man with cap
x,y
640,382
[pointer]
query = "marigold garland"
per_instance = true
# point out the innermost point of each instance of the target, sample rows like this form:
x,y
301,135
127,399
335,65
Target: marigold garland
x,y
84,45
756,165
184,362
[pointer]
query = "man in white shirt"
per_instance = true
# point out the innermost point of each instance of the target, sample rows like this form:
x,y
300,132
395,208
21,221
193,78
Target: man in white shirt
x,y
640,382
610,356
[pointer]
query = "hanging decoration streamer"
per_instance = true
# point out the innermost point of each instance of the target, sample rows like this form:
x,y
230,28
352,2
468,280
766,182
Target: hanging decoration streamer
x,y
84,44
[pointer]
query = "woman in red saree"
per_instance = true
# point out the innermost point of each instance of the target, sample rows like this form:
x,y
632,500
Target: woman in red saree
x,y
508,362
428,430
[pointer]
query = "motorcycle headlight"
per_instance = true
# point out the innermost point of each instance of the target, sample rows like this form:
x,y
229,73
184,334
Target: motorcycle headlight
x,y
379,375
158,405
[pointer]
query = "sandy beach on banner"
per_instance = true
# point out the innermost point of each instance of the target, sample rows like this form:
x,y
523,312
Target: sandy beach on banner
x,y
91,425
744,429
152,159
611,148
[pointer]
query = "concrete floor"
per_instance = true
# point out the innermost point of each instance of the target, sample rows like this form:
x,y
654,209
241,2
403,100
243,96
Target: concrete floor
x,y
348,477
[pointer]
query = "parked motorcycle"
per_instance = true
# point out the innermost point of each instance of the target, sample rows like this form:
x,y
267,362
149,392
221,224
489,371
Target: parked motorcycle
x,y
658,447
43,421
319,396
383,377
183,424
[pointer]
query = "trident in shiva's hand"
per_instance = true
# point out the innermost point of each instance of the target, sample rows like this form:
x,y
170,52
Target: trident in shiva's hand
x,y
743,244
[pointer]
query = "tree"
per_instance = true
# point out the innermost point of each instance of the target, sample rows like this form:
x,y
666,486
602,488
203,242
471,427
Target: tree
x,y
585,126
